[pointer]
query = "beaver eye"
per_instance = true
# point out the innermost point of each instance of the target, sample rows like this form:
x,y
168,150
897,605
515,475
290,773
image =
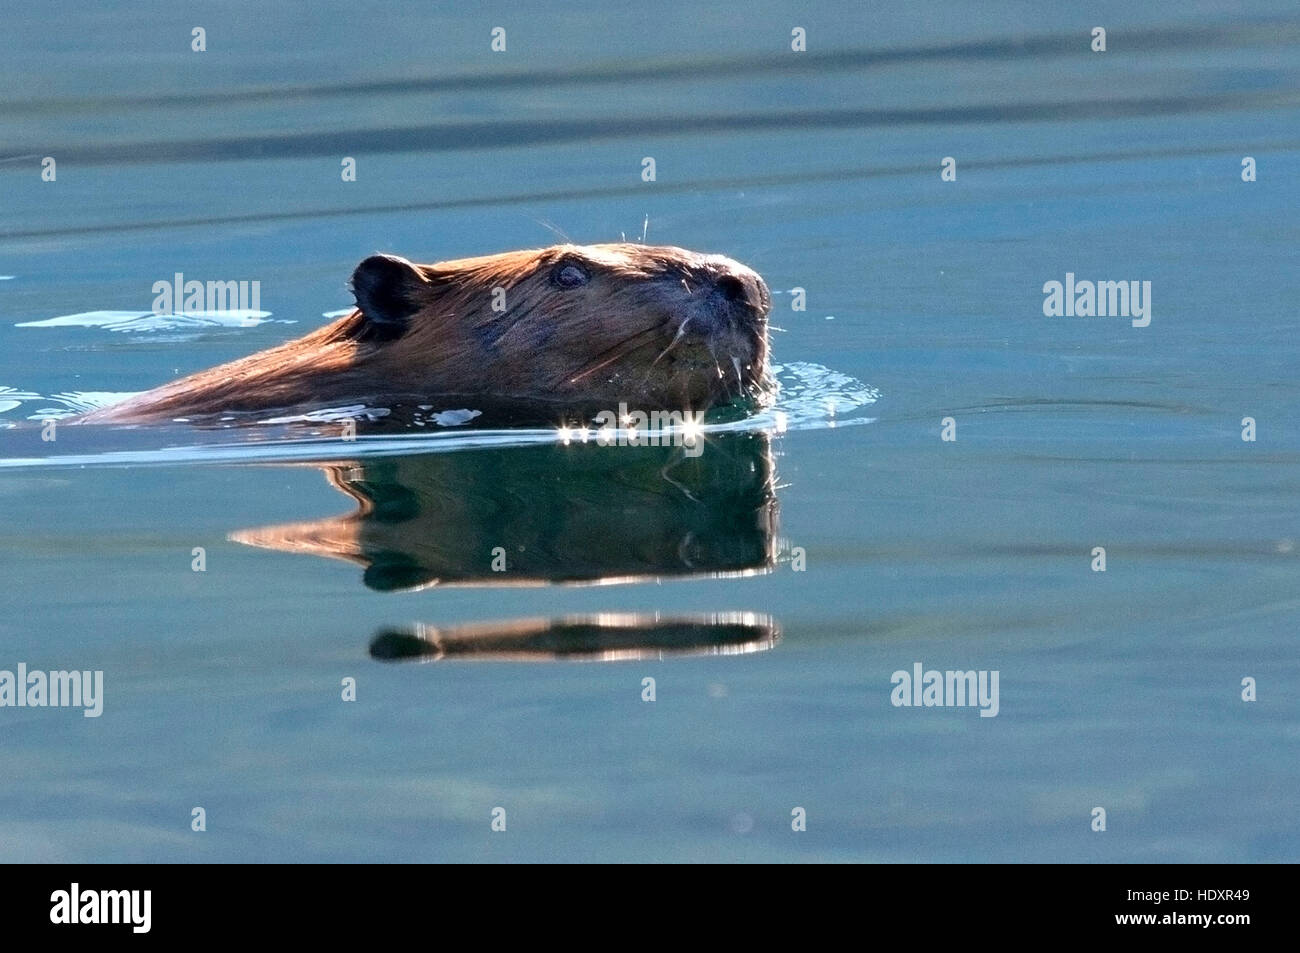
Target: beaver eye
x,y
569,274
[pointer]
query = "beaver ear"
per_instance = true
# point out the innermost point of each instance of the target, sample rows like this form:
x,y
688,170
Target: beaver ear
x,y
387,289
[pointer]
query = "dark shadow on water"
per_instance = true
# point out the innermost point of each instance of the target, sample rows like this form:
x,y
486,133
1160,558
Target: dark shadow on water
x,y
516,133
600,638
547,514
817,63
686,186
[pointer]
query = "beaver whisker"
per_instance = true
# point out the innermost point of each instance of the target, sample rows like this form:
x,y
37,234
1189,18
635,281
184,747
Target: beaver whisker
x,y
673,343
740,379
554,229
721,376
681,331
681,376
621,349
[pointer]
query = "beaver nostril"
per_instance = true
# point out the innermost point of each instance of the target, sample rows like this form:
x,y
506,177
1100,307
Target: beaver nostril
x,y
732,288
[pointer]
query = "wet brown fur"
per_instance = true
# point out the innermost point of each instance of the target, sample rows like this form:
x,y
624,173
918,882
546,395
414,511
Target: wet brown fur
x,y
619,337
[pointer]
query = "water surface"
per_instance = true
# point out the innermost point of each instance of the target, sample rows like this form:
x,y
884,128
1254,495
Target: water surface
x,y
1119,689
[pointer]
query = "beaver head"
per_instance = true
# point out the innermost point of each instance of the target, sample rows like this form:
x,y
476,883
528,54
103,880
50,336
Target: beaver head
x,y
571,328
657,327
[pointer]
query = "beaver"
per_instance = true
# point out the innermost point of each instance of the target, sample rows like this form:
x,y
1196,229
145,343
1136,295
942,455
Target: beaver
x,y
537,334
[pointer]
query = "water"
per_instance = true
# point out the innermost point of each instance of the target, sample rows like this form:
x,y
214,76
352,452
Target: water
x,y
223,688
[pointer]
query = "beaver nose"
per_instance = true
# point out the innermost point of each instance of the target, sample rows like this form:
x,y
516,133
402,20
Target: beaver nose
x,y
732,288
740,286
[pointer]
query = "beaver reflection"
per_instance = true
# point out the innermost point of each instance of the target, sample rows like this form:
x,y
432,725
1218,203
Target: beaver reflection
x,y
581,513
603,638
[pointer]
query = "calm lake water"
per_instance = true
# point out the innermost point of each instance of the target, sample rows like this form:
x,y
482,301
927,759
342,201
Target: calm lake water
x,y
328,561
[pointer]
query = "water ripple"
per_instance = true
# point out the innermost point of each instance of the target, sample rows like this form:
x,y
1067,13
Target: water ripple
x,y
810,397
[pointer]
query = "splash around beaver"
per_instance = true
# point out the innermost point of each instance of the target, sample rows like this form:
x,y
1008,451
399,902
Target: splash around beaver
x,y
540,335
